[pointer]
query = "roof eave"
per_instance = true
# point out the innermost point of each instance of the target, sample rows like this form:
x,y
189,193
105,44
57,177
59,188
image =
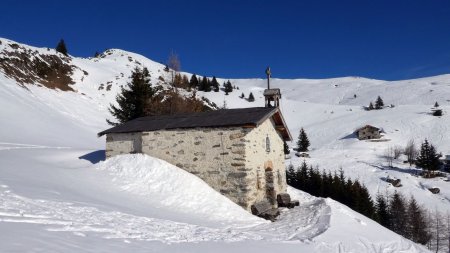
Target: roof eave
x,y
287,134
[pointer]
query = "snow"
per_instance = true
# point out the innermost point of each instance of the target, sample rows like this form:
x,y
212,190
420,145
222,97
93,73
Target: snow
x,y
172,188
58,195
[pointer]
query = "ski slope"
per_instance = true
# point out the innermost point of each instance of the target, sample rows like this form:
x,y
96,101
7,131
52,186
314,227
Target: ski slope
x,y
57,195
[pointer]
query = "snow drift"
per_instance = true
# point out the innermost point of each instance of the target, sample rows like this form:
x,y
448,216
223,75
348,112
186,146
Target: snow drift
x,y
168,186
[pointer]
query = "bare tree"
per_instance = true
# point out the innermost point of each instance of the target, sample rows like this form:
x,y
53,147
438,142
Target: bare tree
x,y
389,156
448,232
174,64
410,151
438,233
397,151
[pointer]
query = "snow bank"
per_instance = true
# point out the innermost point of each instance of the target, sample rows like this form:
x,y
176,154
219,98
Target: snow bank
x,y
171,187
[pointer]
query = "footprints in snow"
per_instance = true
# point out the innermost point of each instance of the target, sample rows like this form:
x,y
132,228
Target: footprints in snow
x,y
298,224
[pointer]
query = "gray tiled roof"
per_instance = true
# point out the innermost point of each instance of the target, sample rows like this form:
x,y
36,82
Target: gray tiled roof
x,y
218,118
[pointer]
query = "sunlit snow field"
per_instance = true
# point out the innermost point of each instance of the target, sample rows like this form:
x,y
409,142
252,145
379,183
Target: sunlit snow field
x,y
57,194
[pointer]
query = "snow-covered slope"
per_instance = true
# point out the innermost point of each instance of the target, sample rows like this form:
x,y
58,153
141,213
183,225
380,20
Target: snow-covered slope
x,y
56,197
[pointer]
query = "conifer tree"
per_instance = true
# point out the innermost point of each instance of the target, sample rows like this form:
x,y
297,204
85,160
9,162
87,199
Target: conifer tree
x,y
381,211
314,181
417,225
228,87
364,203
207,85
397,214
242,95
303,178
371,106
428,159
193,83
291,175
436,104
303,141
203,84
215,84
132,101
286,148
61,47
379,103
251,98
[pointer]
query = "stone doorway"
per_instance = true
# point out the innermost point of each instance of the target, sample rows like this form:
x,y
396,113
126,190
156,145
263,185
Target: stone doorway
x,y
270,187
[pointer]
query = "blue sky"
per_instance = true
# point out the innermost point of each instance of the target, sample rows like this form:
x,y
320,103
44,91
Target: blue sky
x,y
380,39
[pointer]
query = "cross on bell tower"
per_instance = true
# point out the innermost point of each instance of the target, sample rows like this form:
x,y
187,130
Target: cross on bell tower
x,y
268,73
271,95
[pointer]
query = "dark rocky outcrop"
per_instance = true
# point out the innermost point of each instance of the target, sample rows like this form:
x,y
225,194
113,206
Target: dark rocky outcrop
x,y
26,66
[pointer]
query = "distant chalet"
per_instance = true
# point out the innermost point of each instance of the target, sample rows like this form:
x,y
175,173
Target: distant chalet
x,y
368,132
238,152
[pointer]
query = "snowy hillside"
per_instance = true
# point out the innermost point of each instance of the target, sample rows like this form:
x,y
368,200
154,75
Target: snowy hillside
x,y
57,196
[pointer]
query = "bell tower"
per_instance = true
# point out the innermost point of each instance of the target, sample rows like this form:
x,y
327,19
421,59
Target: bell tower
x,y
272,96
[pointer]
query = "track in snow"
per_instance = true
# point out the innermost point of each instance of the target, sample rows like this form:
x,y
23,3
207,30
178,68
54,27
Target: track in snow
x,y
299,224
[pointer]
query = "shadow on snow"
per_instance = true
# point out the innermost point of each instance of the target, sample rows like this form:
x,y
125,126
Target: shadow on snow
x,y
94,157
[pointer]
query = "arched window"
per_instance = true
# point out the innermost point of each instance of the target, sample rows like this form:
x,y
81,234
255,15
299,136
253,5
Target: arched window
x,y
267,144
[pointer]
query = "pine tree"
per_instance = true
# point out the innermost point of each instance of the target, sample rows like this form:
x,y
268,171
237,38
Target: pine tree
x,y
436,104
207,85
251,98
193,83
303,182
203,84
428,159
291,175
303,141
215,84
314,181
286,148
397,214
61,47
242,95
132,102
371,106
381,211
365,204
379,103
416,223
228,87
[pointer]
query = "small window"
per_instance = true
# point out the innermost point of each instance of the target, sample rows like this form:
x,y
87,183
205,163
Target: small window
x,y
267,144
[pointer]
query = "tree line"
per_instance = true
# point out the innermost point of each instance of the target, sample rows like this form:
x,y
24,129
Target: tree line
x,y
426,158
393,211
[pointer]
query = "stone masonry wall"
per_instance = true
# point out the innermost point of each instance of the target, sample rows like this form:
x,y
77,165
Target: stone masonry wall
x,y
216,155
267,168
233,161
124,143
